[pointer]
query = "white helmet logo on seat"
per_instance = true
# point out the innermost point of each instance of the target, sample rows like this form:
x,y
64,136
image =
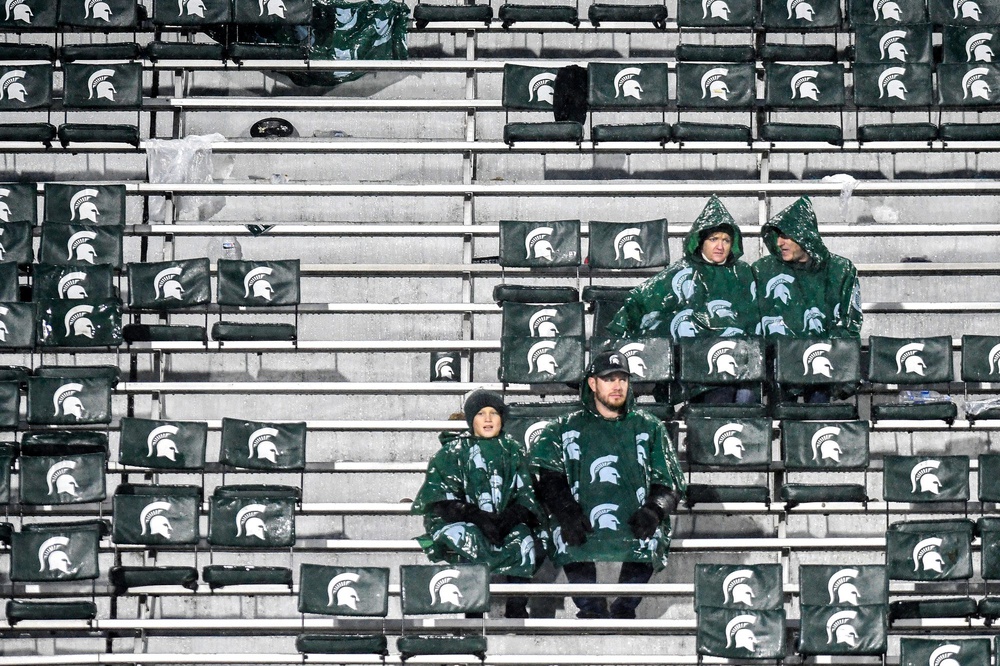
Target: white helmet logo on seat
x,y
537,243
60,479
908,359
890,83
153,519
736,587
78,322
892,47
926,555
166,285
974,84
840,630
739,634
627,244
541,88
81,204
97,9
65,401
12,86
249,522
825,445
160,443
101,86
803,87
255,283
721,360
71,286
727,441
627,84
841,587
262,446
923,479
540,358
814,359
79,247
18,10
341,590
52,556
713,83
444,589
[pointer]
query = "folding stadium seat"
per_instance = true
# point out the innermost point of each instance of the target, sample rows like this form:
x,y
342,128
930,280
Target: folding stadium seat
x,y
82,224
63,467
164,286
911,362
800,15
988,529
253,517
892,89
8,452
218,576
18,215
510,13
424,13
980,364
964,12
913,651
843,609
101,88
740,609
806,89
714,88
732,446
627,13
824,446
893,44
263,446
886,13
923,479
103,15
190,14
541,334
628,87
355,592
9,282
26,94
525,421
59,282
257,284
443,590
61,397
604,303
719,362
158,444
554,244
625,245
258,24
968,87
716,14
830,365
90,322
530,88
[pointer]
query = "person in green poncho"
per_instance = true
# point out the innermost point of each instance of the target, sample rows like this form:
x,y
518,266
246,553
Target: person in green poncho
x,y
707,293
478,501
609,478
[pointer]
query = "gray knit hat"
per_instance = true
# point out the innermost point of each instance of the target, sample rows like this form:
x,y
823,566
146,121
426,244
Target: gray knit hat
x,y
482,398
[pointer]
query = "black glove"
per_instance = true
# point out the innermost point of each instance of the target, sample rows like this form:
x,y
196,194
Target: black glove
x,y
553,490
455,511
644,522
514,515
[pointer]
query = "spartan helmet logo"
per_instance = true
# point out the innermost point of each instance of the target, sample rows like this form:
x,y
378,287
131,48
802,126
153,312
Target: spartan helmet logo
x,y
540,358
444,589
528,550
82,206
974,84
97,9
533,431
720,309
886,10
683,283
627,245
71,286
100,85
254,282
3,327
341,590
382,30
443,368
4,208
540,325
825,445
814,359
453,532
967,9
538,244
777,287
728,442
65,401
261,441
540,88
736,588
923,478
944,656
803,87
603,470
60,479
908,361
841,587
891,46
347,17
890,83
800,9
11,86
79,247
713,83
926,556
627,84
812,320
603,517
739,634
192,7
78,323
153,519
840,630
272,7
476,456
249,522
720,358
994,357
640,449
166,285
977,48
52,556
18,10
636,365
570,445
160,443
715,8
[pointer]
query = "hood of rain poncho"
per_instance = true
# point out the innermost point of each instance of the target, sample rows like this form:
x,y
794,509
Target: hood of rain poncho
x,y
798,222
590,401
713,217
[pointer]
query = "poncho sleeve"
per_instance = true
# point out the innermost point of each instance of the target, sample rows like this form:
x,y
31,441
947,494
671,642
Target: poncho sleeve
x,y
665,468
547,453
847,323
443,481
648,308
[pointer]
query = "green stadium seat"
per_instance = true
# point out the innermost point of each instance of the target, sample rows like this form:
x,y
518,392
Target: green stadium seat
x,y
39,16
164,333
122,579
716,13
191,13
969,132
738,586
111,51
895,44
731,445
540,244
809,363
920,479
510,14
343,591
96,88
8,452
80,244
530,88
18,201
740,611
58,474
800,15
971,13
83,203
969,45
891,89
886,13
18,51
9,282
824,446
656,14
719,361
66,551
628,87
69,400
510,293
625,245
29,132
79,323
911,362
263,446
157,51
27,88
218,576
424,13
714,88
940,650
800,53
18,325
930,550
257,284
156,515
717,53
542,334
919,609
563,130
843,609
443,590
241,51
253,516
989,477
53,282
104,16
19,610
108,373
16,245
525,422
542,320
159,444
803,89
604,302
649,359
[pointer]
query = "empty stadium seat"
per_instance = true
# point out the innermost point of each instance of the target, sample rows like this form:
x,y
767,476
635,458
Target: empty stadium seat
x,y
530,88
27,90
930,550
911,362
824,446
542,334
731,445
843,609
624,245
553,244
891,89
253,516
263,446
62,282
892,44
105,86
218,576
124,578
443,590
69,399
656,14
719,362
714,88
62,468
803,364
920,479
805,89
622,87
156,515
424,13
162,444
605,302
941,650
799,16
740,609
343,591
66,551
257,284
510,14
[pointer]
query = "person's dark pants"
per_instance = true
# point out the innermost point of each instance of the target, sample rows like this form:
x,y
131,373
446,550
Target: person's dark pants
x,y
597,607
517,607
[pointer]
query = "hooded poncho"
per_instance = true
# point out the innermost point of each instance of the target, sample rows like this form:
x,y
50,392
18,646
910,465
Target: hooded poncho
x,y
818,298
610,465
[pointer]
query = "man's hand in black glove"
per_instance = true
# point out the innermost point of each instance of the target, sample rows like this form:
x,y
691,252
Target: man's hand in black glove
x,y
644,522
553,490
575,528
514,515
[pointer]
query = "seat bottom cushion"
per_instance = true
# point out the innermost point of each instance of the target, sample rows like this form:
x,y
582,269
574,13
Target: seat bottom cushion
x,y
566,130
342,644
699,493
688,131
412,646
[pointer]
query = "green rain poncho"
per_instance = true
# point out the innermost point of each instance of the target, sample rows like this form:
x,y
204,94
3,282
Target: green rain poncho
x,y
692,297
818,298
491,474
610,465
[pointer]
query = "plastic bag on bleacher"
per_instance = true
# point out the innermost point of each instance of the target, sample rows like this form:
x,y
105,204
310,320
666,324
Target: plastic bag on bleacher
x,y
187,160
